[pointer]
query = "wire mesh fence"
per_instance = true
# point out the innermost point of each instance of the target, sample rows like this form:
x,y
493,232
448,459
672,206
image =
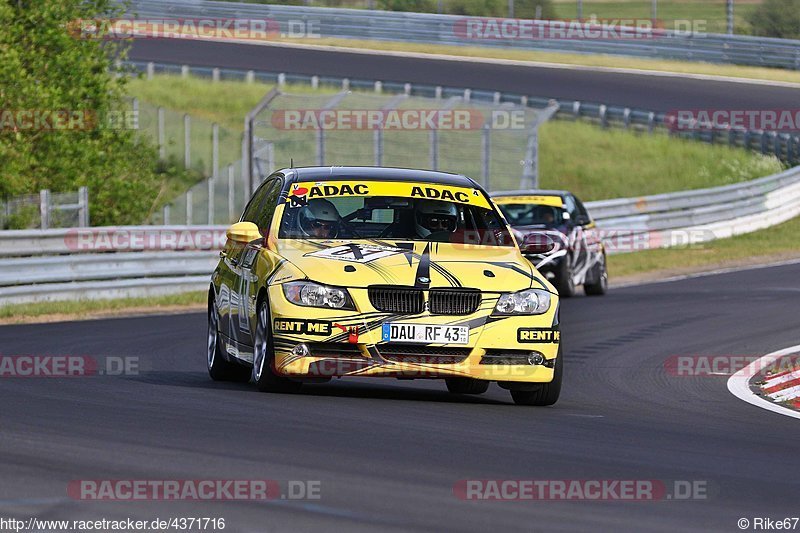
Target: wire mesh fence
x,y
46,210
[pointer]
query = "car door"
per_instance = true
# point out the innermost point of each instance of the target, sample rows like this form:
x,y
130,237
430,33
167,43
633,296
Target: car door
x,y
591,236
230,272
243,319
576,253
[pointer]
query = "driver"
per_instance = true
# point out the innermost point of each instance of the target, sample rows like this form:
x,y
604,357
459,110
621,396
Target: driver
x,y
319,219
435,217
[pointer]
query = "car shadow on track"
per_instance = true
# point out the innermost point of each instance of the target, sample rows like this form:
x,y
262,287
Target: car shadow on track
x,y
369,388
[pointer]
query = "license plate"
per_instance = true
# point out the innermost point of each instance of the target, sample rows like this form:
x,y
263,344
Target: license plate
x,y
425,333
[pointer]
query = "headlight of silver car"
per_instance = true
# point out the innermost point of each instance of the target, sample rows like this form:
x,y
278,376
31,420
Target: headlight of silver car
x,y
528,302
312,294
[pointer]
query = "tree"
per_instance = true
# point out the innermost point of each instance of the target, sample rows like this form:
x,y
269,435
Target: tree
x,y
50,73
777,18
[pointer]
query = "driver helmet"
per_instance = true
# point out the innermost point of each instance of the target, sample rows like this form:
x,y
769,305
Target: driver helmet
x,y
434,216
319,219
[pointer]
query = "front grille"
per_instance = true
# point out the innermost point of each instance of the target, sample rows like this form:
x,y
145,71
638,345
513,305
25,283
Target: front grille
x,y
407,301
454,301
421,353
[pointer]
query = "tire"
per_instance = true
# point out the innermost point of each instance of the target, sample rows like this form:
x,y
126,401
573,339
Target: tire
x,y
563,280
219,368
466,385
547,394
600,286
264,375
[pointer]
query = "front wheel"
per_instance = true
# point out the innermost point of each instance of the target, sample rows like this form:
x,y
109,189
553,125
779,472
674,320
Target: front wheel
x,y
218,368
547,394
264,374
600,284
564,282
466,385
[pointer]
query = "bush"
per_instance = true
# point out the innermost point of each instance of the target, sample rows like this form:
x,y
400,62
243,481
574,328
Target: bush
x,y
47,68
777,18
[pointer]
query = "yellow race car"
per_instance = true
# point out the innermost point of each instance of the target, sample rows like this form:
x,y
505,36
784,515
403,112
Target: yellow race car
x,y
380,272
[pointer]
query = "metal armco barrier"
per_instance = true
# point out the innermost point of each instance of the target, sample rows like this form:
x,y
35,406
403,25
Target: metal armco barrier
x,y
44,265
434,29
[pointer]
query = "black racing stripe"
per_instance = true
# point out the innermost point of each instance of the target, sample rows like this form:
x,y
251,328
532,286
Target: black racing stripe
x,y
424,268
454,281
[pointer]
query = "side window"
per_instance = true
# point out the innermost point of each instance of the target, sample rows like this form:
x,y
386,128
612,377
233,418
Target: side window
x,y
582,210
267,210
262,206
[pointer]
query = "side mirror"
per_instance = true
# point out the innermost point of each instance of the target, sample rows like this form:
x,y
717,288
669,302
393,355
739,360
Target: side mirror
x,y
243,232
537,244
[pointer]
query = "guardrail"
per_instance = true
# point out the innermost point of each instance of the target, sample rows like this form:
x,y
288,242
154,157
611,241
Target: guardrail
x,y
431,28
43,265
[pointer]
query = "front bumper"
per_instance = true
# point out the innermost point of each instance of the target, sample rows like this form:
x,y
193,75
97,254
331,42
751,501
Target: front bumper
x,y
315,342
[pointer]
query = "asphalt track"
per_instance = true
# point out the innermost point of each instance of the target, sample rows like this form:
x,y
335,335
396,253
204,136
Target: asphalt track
x,y
388,453
656,93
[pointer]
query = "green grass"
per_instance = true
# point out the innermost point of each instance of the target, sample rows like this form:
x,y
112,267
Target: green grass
x,y
713,12
759,246
88,308
598,164
574,155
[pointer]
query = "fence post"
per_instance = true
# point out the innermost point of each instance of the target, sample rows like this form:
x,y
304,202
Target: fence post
x,y
320,147
187,141
231,194
270,157
162,148
215,74
438,92
377,146
626,117
211,185
281,79
603,116
378,87
189,207
486,154
166,214
83,209
214,150
44,208
651,122
151,69
250,77
184,71
434,144
315,82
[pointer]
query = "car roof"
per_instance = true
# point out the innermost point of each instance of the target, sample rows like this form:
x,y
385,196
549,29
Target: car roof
x,y
334,173
531,192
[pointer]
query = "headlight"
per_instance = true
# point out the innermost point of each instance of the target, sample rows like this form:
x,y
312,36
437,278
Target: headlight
x,y
312,294
529,302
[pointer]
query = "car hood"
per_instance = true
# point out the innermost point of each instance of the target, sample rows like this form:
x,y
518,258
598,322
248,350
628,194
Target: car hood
x,y
411,263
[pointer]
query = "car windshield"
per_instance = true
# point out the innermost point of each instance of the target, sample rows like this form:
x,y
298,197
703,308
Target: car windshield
x,y
414,212
532,214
